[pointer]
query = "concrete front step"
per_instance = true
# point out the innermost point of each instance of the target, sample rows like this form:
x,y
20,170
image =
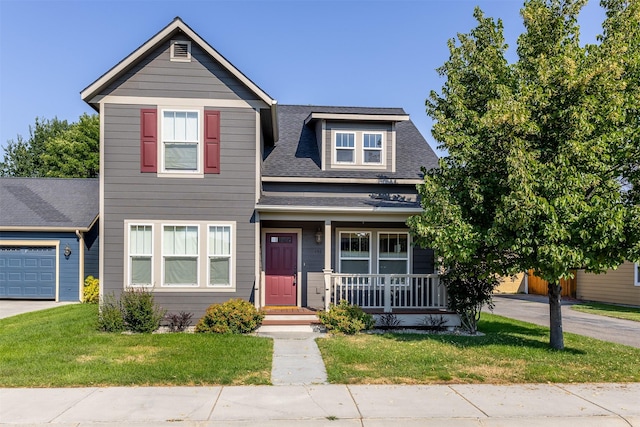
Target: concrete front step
x,y
297,317
305,322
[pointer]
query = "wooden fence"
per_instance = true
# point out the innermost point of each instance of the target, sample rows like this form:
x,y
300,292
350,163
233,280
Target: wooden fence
x,y
537,286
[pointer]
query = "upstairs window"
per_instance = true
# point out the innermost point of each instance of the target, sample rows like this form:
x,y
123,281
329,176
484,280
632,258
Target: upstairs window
x,y
636,268
180,141
345,147
372,148
359,148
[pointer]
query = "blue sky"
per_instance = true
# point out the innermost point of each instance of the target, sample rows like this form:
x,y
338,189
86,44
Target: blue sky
x,y
355,53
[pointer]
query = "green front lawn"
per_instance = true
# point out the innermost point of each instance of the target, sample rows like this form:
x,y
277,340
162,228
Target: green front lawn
x,y
61,348
510,352
609,310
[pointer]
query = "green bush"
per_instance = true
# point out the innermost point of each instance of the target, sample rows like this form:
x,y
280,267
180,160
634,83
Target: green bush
x,y
139,311
235,316
91,290
110,318
346,318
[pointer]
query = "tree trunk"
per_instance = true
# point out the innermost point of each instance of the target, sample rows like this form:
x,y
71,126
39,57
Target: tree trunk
x,y
556,338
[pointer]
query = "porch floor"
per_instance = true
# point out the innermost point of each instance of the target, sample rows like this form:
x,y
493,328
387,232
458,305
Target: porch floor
x,y
286,309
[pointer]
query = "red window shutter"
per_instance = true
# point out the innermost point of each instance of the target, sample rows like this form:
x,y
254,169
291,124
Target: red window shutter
x,y
148,140
211,141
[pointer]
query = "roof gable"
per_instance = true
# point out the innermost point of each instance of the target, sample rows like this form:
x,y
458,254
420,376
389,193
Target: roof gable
x,y
48,203
176,26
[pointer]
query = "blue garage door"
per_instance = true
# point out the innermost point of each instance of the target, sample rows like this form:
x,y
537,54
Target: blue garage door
x,y
28,272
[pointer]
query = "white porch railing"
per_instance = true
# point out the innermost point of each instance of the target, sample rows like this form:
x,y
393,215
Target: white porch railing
x,y
386,291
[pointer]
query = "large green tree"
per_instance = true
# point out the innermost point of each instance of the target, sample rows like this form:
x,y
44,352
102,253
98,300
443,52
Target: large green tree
x,y
542,165
55,148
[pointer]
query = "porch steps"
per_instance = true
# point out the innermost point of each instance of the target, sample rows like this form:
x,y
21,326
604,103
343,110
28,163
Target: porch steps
x,y
295,319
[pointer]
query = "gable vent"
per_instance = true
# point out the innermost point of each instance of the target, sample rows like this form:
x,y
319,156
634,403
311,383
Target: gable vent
x,y
181,50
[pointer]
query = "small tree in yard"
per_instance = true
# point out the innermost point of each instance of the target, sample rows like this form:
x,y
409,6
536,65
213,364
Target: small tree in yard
x,y
543,165
469,289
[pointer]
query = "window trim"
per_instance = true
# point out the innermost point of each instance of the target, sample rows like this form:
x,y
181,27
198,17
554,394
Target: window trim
x,y
353,149
230,256
130,256
163,257
158,259
359,149
339,251
380,258
374,247
365,149
198,172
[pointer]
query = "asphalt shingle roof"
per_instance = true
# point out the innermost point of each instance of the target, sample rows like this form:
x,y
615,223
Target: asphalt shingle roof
x,y
49,202
296,153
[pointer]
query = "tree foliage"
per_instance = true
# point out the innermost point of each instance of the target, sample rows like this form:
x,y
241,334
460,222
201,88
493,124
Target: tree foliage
x,y
55,148
542,167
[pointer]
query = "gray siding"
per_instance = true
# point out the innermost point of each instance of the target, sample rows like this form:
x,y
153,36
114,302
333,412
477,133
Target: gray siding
x,y
156,75
132,195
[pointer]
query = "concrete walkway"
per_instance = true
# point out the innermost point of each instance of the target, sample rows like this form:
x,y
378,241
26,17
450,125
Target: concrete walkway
x,y
296,359
535,309
529,405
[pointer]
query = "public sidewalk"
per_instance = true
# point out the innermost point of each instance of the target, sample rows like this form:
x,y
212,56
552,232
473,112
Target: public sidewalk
x,y
332,405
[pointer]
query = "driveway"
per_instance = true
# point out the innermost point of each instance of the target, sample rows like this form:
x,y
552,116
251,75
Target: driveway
x,y
535,309
12,307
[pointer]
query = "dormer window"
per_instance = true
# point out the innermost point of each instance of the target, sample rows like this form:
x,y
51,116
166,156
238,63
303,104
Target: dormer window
x,y
345,147
358,148
372,148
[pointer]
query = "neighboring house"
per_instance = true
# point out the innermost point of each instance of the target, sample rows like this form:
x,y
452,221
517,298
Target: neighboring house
x,y
210,190
48,237
620,286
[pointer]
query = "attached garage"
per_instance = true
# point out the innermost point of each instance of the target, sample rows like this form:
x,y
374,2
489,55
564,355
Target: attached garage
x,y
48,237
28,272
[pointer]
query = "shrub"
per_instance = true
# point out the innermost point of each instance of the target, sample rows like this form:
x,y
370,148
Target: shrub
x,y
139,311
389,320
469,287
235,316
110,318
91,290
345,318
178,322
434,323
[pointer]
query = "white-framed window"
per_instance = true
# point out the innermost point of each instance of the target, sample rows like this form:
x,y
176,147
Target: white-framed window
x,y
180,146
372,148
219,256
636,268
345,147
140,255
393,253
355,252
180,250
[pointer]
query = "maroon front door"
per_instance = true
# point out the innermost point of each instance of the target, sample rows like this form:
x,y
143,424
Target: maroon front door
x,y
281,268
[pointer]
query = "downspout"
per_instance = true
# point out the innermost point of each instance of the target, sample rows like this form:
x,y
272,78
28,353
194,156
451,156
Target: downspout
x,y
80,264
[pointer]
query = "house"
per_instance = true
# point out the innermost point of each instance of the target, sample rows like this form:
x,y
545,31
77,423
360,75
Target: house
x,y
620,286
210,190
48,237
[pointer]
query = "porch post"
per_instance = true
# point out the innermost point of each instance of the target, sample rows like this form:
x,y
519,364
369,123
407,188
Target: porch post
x,y
327,287
387,293
327,244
